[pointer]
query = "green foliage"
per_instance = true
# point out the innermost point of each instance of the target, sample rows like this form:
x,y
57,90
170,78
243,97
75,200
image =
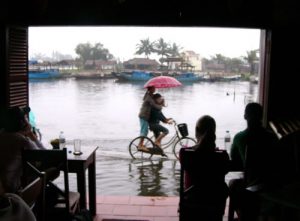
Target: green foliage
x,y
87,51
145,47
251,58
160,47
175,50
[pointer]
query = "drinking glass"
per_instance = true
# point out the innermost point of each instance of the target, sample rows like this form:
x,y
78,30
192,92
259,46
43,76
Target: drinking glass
x,y
77,146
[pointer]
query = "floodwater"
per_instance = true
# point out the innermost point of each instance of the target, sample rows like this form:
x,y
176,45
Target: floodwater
x,y
104,113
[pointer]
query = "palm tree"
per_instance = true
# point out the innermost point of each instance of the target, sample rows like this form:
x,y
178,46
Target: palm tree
x,y
145,47
162,48
251,58
175,50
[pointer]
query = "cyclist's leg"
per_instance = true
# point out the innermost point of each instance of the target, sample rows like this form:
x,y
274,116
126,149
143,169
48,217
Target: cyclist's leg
x,y
161,132
143,131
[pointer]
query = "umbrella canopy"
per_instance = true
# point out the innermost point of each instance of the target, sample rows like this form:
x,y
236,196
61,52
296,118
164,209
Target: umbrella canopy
x,y
162,82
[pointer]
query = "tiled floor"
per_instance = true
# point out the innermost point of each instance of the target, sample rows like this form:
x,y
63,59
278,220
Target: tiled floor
x,y
138,207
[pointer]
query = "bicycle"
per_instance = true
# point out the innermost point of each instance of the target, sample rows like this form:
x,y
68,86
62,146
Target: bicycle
x,y
178,140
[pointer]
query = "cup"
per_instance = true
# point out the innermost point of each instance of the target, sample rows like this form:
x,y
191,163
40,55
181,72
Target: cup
x,y
77,146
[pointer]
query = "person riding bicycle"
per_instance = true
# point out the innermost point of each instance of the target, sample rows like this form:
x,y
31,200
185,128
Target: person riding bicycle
x,y
148,104
156,116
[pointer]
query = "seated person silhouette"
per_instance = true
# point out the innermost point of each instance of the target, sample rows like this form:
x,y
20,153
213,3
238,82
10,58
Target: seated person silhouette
x,y
15,136
253,151
205,167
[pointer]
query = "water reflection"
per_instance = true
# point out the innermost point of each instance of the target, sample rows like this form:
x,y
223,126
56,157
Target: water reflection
x,y
155,177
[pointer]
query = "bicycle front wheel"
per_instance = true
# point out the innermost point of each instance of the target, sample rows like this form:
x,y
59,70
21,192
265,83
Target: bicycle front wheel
x,y
141,154
182,142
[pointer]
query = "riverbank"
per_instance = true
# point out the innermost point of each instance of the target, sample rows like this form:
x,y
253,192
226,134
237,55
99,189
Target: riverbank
x,y
96,74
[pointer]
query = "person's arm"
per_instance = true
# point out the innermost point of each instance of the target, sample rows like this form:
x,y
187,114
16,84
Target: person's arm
x,y
162,117
152,103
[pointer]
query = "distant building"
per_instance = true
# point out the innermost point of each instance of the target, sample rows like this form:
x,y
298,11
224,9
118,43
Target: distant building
x,y
214,67
101,65
141,64
68,64
172,63
193,59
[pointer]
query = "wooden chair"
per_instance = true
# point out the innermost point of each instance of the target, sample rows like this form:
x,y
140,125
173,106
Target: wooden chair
x,y
33,193
288,134
284,127
66,203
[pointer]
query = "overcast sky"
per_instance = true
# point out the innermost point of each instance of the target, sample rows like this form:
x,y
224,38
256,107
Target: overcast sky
x,y
122,41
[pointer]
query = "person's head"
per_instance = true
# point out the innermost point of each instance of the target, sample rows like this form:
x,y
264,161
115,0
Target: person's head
x,y
206,130
158,98
14,119
151,89
253,113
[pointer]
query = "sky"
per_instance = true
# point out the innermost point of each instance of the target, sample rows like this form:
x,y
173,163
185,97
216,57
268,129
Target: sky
x,y
122,41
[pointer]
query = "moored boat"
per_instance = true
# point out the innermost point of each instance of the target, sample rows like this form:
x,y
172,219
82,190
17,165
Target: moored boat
x,y
145,76
134,75
188,77
43,74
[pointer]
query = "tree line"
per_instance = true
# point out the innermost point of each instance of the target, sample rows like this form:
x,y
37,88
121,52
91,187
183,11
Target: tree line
x,y
235,64
97,51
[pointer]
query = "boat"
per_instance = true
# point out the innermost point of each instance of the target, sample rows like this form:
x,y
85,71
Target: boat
x,y
43,73
188,77
231,78
134,75
145,76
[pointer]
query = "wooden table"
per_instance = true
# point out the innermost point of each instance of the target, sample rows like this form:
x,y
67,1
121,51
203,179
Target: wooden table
x,y
79,164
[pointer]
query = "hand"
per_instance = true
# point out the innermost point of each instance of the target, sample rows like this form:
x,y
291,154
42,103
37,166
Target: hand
x,y
27,131
170,121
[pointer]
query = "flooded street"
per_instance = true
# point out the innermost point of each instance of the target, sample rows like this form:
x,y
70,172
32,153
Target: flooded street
x,y
104,113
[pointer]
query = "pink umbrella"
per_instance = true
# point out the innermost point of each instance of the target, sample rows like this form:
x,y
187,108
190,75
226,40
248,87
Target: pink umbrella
x,y
162,82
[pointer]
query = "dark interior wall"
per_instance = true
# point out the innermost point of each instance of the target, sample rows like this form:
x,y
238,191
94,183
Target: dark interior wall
x,y
2,66
284,93
282,17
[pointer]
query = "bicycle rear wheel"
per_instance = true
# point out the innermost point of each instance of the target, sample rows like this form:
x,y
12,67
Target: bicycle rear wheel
x,y
182,142
140,154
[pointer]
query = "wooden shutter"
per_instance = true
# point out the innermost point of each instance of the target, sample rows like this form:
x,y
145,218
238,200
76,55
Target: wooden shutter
x,y
17,66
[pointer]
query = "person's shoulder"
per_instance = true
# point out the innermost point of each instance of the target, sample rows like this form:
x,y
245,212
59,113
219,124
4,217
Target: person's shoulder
x,y
240,135
13,196
15,137
148,97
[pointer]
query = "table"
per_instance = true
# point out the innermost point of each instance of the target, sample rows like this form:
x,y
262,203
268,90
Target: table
x,y
79,164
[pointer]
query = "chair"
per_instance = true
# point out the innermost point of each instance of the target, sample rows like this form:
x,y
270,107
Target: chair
x,y
66,203
33,193
211,206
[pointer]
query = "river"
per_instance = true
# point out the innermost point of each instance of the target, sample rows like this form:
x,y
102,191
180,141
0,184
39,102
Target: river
x,y
104,113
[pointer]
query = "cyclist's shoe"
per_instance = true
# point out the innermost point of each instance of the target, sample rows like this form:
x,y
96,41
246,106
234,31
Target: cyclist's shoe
x,y
143,148
164,155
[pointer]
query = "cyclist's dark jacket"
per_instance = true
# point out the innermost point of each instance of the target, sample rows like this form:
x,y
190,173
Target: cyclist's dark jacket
x,y
156,116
